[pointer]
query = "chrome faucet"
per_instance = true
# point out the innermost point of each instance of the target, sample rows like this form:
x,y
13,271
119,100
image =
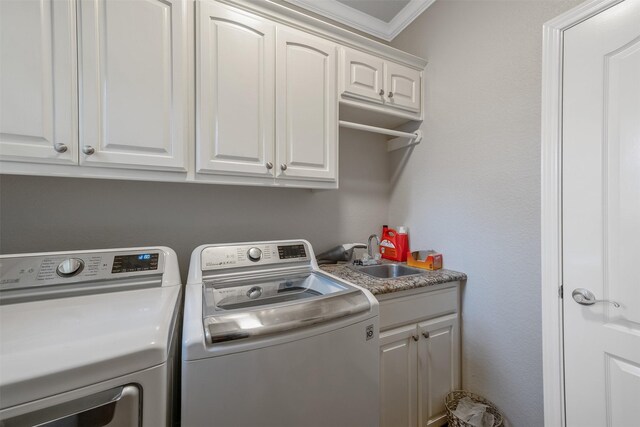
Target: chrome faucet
x,y
369,251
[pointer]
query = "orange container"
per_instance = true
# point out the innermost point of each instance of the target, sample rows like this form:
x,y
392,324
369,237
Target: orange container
x,y
428,260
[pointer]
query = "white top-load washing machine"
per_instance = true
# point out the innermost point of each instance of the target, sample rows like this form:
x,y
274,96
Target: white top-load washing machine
x,y
89,338
270,340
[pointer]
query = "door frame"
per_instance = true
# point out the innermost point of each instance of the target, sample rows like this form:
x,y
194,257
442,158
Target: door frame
x,y
551,205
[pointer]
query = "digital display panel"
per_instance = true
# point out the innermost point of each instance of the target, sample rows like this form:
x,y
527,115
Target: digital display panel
x,y
135,262
291,251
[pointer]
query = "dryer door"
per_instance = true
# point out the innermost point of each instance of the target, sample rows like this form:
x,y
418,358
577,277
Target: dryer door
x,y
119,406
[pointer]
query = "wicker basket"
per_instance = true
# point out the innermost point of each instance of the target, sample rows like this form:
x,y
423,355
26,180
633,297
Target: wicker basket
x,y
451,402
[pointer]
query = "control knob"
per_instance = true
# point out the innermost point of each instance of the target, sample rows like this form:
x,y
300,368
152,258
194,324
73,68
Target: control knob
x,y
254,254
254,292
70,267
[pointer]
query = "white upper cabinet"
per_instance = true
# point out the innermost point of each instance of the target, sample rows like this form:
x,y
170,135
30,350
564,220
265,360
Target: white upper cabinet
x,y
362,75
266,100
38,92
306,106
384,86
235,92
403,87
228,92
134,83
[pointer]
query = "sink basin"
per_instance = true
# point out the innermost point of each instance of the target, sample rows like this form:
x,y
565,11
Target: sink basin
x,y
388,271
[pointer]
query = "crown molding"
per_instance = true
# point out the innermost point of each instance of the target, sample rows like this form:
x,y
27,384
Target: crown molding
x,y
344,14
282,13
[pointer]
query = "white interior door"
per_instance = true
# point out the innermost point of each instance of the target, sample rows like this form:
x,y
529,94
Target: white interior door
x,y
601,218
38,85
236,83
134,83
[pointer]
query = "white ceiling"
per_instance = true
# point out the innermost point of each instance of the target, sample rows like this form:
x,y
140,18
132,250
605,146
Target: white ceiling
x,y
384,19
385,10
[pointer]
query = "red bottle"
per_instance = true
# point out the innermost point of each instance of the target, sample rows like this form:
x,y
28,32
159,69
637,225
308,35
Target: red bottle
x,y
394,244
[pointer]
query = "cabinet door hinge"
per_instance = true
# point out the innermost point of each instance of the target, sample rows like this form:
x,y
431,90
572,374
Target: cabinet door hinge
x,y
561,291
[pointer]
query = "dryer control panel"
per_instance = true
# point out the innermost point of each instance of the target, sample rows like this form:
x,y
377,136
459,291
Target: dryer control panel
x,y
31,271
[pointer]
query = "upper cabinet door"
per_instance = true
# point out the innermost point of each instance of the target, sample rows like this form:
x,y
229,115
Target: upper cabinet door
x,y
134,74
38,85
403,87
306,106
361,75
235,92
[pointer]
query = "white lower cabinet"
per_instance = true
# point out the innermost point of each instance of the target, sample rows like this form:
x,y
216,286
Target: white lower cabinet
x,y
399,377
419,361
438,367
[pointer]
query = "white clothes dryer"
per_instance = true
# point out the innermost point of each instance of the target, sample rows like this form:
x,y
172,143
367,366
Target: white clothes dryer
x,y
89,338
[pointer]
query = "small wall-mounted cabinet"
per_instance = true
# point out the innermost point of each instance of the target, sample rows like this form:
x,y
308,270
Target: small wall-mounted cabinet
x,y
419,357
369,81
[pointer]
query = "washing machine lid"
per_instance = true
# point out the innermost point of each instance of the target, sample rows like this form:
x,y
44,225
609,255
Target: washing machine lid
x,y
247,307
50,345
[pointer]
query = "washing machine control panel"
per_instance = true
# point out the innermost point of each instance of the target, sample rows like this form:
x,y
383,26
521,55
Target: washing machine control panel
x,y
68,268
238,256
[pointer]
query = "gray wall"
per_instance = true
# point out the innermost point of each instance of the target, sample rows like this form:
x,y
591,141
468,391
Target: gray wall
x,y
50,214
472,188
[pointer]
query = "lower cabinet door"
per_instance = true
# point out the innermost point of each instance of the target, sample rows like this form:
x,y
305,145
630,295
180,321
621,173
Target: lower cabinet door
x,y
438,367
398,377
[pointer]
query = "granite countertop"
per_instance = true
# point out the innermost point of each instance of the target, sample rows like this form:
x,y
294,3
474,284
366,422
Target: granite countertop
x,y
385,286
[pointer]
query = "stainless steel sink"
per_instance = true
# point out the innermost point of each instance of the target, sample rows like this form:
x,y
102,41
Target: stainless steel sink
x,y
388,271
